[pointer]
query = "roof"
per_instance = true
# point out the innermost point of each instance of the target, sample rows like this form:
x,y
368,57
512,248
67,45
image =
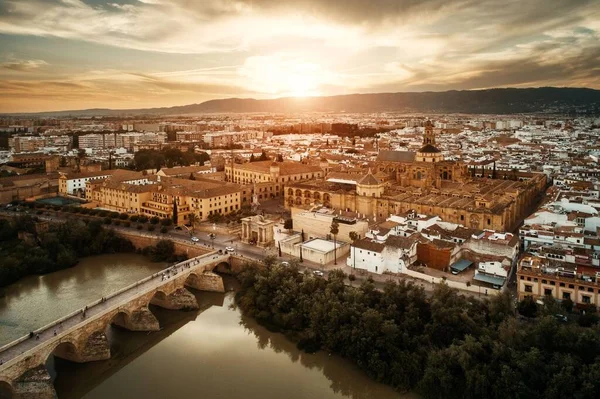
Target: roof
x,y
428,148
368,180
395,156
461,265
402,242
369,245
486,278
285,168
183,170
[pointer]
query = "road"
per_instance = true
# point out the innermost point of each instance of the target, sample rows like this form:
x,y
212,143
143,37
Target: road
x,y
252,252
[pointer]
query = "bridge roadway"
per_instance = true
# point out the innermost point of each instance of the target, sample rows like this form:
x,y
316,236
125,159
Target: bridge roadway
x,y
80,336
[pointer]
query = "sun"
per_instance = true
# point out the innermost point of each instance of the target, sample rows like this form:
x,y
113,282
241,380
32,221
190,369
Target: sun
x,y
283,76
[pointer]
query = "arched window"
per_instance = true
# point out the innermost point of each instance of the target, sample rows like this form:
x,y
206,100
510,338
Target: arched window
x,y
419,175
291,191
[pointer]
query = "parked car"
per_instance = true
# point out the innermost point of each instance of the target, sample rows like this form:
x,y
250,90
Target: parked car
x,y
230,249
285,264
318,273
195,239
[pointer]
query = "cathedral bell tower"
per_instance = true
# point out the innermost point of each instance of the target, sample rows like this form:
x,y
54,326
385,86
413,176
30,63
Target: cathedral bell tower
x,y
429,136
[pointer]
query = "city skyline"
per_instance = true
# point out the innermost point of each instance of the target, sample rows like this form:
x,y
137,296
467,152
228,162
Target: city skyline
x,y
72,54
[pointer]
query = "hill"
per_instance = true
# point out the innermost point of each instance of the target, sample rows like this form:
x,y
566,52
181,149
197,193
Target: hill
x,y
492,101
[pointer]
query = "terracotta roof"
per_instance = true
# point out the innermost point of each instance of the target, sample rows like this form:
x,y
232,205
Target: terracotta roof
x,y
368,180
183,170
368,245
285,168
402,242
395,156
428,148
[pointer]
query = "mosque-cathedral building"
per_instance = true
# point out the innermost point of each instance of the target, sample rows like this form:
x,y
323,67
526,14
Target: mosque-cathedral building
x,y
424,182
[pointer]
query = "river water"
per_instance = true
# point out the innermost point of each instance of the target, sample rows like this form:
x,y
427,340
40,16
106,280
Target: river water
x,y
215,352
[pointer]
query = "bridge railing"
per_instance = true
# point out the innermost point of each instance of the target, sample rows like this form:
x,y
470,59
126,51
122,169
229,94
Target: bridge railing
x,y
96,302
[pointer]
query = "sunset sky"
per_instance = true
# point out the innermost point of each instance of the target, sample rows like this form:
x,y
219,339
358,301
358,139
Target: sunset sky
x,y
75,54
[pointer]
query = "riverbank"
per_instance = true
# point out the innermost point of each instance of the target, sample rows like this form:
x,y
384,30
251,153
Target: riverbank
x,y
444,346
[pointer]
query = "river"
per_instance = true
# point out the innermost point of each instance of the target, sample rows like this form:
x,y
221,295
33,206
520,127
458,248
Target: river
x,y
215,352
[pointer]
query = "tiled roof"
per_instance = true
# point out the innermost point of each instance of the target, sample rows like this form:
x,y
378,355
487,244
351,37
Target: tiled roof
x,y
395,156
368,245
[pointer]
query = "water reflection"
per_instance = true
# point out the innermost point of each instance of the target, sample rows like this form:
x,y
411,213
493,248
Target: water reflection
x,y
214,353
35,301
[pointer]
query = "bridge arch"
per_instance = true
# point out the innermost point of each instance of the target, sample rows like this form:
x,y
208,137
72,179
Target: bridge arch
x,y
6,389
65,350
121,318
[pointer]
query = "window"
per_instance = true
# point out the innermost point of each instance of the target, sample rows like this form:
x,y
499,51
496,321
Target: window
x,y
571,286
528,288
544,281
548,291
590,290
552,283
562,284
566,295
585,299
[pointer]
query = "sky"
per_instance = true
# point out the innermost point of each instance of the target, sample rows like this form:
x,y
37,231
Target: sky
x,y
78,54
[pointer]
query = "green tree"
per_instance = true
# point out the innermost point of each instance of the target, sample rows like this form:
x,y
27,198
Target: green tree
x,y
527,307
353,235
192,220
288,224
334,229
175,217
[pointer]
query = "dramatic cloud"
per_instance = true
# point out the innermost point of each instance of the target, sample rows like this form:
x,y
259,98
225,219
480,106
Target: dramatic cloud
x,y
269,48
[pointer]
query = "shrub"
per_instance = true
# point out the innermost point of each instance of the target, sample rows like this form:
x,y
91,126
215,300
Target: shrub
x,y
127,224
154,220
123,216
139,227
117,222
143,219
102,213
527,307
352,277
107,220
114,215
166,222
151,227
134,218
164,229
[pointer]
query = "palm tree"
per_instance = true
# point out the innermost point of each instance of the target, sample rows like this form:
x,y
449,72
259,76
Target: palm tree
x,y
353,235
192,219
334,230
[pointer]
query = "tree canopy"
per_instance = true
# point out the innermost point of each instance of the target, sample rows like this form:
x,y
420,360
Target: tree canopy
x,y
443,346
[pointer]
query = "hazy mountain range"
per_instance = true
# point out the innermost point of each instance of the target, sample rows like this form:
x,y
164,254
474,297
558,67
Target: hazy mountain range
x,y
492,101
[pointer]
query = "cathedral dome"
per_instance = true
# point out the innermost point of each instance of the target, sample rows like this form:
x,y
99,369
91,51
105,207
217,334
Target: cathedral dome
x,y
428,148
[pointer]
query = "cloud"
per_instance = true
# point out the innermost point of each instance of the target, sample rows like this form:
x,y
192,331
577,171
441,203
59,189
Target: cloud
x,y
280,47
23,65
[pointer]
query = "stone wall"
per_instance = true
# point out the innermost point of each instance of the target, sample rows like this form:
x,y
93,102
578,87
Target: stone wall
x,y
140,242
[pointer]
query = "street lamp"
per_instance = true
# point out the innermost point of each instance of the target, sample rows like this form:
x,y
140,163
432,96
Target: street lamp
x,y
212,237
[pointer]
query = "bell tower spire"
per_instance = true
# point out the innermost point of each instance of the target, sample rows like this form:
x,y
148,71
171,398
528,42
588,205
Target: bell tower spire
x,y
429,136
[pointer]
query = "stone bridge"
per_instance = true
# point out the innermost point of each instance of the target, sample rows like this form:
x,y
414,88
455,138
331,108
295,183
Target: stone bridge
x,y
81,336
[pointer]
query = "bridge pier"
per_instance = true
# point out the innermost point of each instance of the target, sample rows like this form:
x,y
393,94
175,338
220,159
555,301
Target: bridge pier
x,y
180,299
89,349
206,281
34,384
139,320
